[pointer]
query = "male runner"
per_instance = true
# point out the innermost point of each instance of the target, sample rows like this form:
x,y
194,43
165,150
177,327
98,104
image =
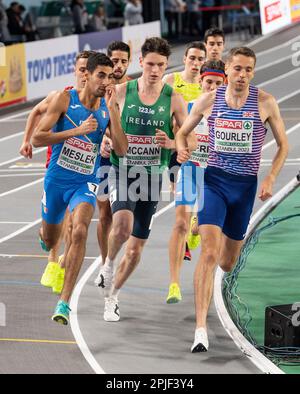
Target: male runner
x,y
236,115
214,40
187,84
189,184
147,106
119,54
54,273
79,121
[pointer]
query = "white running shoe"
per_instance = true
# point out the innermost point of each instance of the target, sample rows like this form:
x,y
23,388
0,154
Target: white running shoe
x,y
105,279
201,341
111,309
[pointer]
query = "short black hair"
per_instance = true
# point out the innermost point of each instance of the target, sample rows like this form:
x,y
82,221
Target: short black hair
x,y
98,59
195,44
214,32
244,51
118,46
217,65
156,45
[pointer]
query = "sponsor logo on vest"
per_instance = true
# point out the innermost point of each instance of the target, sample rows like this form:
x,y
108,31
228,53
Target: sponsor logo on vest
x,y
143,122
229,124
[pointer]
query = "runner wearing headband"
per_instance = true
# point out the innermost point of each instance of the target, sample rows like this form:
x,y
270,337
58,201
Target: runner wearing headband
x,y
189,188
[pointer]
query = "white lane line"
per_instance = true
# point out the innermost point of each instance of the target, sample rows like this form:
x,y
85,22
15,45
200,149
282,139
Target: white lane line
x,y
241,342
270,50
21,157
290,109
15,115
20,231
14,223
10,137
288,96
79,287
273,63
36,256
74,306
286,164
289,131
74,323
21,188
279,78
22,175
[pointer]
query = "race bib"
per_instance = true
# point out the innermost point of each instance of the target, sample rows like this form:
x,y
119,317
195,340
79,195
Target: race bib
x,y
233,136
78,156
200,155
142,151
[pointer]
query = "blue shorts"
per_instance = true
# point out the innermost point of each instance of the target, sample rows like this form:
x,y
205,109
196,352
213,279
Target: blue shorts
x,y
189,187
228,202
58,197
103,172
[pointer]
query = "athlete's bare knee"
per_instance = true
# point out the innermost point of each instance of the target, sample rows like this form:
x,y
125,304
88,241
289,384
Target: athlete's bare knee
x,y
121,231
105,221
79,233
209,258
133,256
181,226
228,264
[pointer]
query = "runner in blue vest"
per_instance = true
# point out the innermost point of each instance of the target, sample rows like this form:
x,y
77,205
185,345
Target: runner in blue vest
x,y
237,115
75,124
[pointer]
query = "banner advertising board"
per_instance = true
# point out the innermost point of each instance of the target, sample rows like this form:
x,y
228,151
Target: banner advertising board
x,y
50,65
12,75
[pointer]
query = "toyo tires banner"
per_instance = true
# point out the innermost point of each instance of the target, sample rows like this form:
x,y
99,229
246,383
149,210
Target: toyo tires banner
x,y
50,65
32,70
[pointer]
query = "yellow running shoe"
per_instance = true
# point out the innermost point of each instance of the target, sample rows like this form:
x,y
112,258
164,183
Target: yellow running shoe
x,y
193,241
49,274
59,280
174,294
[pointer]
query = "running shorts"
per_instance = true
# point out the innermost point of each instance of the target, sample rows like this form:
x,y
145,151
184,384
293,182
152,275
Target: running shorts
x,y
103,172
189,187
138,193
57,198
174,167
228,202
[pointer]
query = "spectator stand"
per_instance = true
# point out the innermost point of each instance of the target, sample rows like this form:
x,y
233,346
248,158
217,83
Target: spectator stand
x,y
239,18
55,17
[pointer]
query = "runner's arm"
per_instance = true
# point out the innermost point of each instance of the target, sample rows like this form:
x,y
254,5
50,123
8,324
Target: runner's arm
x,y
43,136
169,79
117,135
180,109
31,124
278,129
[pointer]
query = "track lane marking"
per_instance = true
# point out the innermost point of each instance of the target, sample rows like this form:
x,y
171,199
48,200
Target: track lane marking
x,y
52,342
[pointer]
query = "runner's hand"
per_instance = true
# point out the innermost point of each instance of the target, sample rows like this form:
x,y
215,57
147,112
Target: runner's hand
x,y
266,188
163,140
183,155
110,96
106,147
26,150
88,126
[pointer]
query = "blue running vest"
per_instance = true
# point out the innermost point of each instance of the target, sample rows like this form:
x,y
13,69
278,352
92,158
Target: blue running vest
x,y
77,160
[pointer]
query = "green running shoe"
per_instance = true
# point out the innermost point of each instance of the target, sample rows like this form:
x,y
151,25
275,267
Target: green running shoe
x,y
43,245
61,314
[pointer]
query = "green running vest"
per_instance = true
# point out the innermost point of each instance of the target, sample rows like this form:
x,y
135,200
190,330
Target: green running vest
x,y
139,122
